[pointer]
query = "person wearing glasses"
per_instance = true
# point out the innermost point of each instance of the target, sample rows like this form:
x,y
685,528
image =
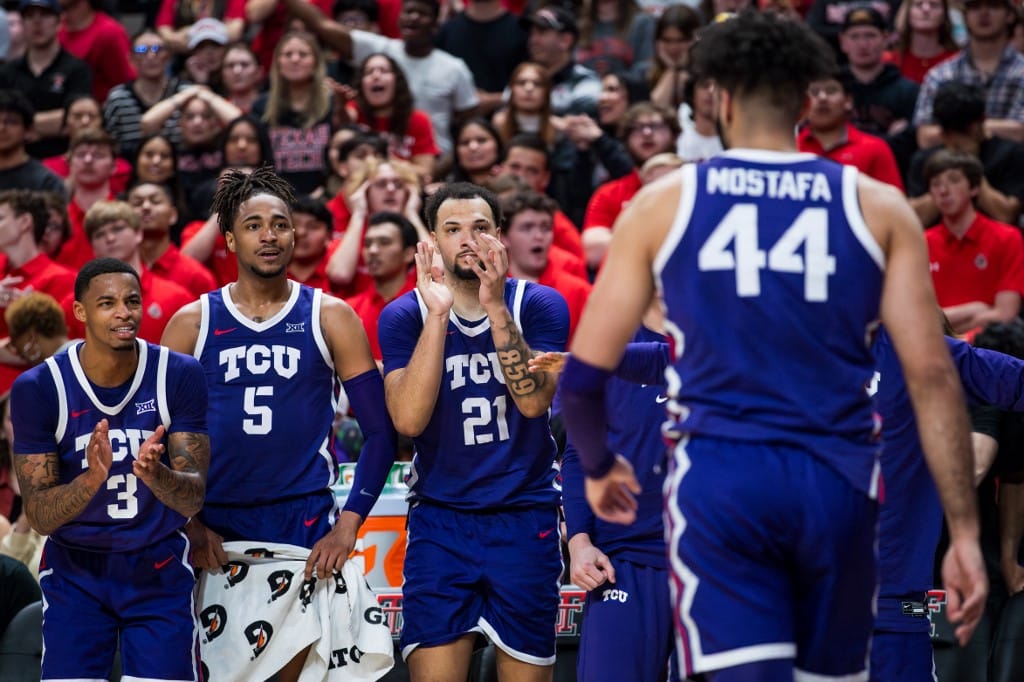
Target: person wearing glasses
x,y
646,130
127,102
100,41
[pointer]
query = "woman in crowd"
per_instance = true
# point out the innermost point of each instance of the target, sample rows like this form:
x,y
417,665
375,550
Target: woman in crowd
x,y
529,106
478,152
384,103
615,35
673,35
297,112
241,76
925,37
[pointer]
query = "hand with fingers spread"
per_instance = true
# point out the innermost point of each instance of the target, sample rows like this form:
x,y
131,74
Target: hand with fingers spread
x,y
207,547
966,583
332,550
430,281
98,454
147,463
491,267
551,361
589,567
613,497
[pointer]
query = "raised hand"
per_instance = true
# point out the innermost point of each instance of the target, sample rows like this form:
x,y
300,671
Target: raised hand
x,y
551,361
491,269
430,281
98,454
147,462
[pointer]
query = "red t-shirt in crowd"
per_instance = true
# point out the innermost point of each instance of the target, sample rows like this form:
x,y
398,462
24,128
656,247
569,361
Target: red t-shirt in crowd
x,y
574,290
185,270
563,261
233,9
318,279
161,298
40,274
609,199
222,262
869,154
368,306
418,138
567,235
988,259
105,47
914,68
118,181
77,250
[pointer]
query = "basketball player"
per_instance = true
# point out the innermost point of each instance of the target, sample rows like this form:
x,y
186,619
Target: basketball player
x,y
273,352
483,544
772,266
111,453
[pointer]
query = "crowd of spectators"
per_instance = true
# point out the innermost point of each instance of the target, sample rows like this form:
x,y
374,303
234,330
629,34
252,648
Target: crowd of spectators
x,y
112,144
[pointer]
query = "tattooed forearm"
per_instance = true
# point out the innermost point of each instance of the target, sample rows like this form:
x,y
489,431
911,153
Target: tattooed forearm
x,y
183,486
49,505
513,355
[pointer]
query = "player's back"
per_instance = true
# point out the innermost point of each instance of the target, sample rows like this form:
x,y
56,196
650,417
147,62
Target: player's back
x,y
772,283
272,399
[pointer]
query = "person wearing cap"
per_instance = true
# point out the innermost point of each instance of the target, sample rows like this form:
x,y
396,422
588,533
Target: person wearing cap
x,y
442,85
828,132
207,43
883,100
100,41
553,35
990,61
175,20
49,75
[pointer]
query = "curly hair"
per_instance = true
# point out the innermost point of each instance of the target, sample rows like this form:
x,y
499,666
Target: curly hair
x,y
401,103
237,186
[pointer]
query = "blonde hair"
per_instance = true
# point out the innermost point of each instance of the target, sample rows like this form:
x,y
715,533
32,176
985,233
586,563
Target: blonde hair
x,y
368,172
279,93
35,311
105,212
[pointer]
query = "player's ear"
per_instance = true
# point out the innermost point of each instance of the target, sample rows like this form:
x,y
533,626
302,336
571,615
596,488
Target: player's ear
x,y
78,308
229,239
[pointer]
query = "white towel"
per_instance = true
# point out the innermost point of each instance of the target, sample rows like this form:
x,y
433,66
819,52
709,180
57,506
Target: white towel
x,y
261,612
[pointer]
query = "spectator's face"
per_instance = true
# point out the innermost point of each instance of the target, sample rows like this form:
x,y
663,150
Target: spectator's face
x,y
704,100
987,19
12,132
378,82
199,125
16,28
92,164
476,149
548,46
154,208
12,226
240,71
925,15
242,146
951,192
829,105
150,56
530,165
387,191
613,102
355,18
156,161
40,26
84,113
528,93
53,236
863,45
296,61
116,240
528,239
647,136
383,253
672,47
311,237
417,21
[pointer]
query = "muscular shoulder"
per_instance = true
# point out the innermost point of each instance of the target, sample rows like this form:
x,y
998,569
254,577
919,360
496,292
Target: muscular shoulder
x,y
885,209
182,332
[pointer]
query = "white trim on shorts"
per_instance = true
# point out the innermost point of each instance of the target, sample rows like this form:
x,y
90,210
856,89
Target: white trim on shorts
x,y
804,676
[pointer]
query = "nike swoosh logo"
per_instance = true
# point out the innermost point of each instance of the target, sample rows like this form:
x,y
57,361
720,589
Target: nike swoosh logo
x,y
310,522
75,414
544,533
219,332
160,564
365,492
661,399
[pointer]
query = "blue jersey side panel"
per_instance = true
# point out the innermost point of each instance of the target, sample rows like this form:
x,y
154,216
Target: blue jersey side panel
x,y
124,514
478,451
273,394
772,283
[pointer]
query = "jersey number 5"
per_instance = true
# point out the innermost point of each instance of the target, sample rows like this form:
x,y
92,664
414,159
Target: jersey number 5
x,y
262,417
739,228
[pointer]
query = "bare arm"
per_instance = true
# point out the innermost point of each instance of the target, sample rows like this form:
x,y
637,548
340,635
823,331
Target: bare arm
x,y
967,316
596,241
985,450
924,207
48,504
1005,127
411,392
341,268
1011,530
203,242
155,117
182,332
182,487
929,135
235,28
48,123
1002,207
176,39
258,10
334,34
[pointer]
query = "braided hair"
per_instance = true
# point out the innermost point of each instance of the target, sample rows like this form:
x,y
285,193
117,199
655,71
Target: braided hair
x,y
237,186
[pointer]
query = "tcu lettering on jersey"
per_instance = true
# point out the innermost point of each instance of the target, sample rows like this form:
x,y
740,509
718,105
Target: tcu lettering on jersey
x,y
258,359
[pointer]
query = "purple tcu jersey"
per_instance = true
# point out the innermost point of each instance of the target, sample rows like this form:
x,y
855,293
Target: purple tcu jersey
x,y
273,394
55,409
772,283
478,451
635,415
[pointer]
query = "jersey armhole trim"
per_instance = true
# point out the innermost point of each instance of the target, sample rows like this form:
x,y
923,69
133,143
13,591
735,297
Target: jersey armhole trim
x,y
204,325
687,199
161,388
318,331
62,397
851,205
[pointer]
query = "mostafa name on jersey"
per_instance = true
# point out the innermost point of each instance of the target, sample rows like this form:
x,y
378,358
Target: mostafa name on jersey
x,y
259,359
123,442
480,369
775,184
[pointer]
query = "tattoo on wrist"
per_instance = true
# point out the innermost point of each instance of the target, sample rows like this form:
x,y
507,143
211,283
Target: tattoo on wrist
x,y
513,357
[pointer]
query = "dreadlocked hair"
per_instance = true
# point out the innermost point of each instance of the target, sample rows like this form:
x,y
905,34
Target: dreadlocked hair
x,y
237,186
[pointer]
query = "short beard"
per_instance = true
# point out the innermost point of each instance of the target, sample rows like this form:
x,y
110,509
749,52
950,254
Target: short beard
x,y
263,274
465,274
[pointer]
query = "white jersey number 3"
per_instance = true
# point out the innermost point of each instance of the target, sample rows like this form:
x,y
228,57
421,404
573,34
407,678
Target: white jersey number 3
x,y
738,228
